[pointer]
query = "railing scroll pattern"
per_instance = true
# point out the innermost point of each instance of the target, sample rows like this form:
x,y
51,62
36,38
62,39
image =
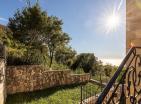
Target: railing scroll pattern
x,y
125,86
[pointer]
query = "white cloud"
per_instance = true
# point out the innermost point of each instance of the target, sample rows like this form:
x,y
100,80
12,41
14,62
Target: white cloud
x,y
3,19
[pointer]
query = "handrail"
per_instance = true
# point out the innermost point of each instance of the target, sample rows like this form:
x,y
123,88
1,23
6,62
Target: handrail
x,y
115,76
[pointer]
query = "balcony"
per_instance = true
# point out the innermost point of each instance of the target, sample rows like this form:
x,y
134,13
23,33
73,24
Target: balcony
x,y
124,86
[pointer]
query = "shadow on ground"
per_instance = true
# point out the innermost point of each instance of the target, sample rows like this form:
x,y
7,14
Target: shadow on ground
x,y
23,98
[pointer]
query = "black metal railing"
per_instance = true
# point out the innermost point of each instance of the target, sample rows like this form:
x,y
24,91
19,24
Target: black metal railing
x,y
125,86
90,92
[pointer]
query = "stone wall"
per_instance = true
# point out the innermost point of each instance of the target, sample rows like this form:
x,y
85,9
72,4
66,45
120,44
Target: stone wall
x,y
31,78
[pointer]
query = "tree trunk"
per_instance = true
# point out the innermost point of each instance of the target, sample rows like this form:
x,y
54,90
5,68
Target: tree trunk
x,y
50,62
51,59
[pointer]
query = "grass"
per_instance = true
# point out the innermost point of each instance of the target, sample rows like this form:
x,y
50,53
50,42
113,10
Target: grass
x,y
103,78
78,71
59,95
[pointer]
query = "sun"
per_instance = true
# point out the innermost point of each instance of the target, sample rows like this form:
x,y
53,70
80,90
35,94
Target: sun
x,y
112,22
112,19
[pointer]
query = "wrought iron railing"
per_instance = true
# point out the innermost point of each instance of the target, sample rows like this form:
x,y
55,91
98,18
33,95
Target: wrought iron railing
x,y
125,86
89,92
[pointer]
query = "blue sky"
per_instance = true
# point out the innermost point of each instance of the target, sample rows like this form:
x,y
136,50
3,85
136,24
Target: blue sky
x,y
82,20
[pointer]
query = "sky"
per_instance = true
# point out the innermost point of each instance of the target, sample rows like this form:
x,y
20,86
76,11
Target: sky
x,y
84,21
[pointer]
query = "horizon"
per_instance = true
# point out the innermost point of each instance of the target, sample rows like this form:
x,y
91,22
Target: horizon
x,y
115,62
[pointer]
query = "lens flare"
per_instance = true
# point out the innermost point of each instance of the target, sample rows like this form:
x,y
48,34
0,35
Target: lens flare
x,y
112,22
111,19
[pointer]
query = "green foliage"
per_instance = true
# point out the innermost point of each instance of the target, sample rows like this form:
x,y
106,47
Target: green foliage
x,y
65,55
99,67
78,71
37,32
35,56
108,70
14,49
59,95
121,74
26,26
103,73
27,20
15,53
85,61
57,66
5,36
54,37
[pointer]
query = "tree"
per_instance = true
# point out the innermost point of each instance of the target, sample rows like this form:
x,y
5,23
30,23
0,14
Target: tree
x,y
27,24
27,27
85,61
108,70
34,28
65,55
54,37
5,36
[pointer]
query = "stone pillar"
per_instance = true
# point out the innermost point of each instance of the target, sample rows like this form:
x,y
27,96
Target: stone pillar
x,y
2,75
133,23
133,36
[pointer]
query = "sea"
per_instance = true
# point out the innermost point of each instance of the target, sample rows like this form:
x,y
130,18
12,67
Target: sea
x,y
111,61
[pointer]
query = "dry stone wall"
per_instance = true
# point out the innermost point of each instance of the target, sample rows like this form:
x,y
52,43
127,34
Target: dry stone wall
x,y
32,78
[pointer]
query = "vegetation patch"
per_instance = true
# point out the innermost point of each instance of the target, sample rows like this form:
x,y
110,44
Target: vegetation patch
x,y
59,95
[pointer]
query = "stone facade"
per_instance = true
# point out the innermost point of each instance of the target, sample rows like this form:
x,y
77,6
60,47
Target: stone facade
x,y
133,23
31,78
2,74
2,81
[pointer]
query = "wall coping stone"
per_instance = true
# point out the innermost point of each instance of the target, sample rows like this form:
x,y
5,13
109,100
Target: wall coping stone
x,y
19,66
80,74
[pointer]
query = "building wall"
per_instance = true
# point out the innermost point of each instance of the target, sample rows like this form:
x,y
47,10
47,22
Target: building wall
x,y
133,37
2,75
133,23
2,81
32,78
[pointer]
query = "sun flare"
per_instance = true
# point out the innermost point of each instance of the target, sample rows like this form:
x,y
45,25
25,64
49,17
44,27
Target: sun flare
x,y
112,18
112,22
